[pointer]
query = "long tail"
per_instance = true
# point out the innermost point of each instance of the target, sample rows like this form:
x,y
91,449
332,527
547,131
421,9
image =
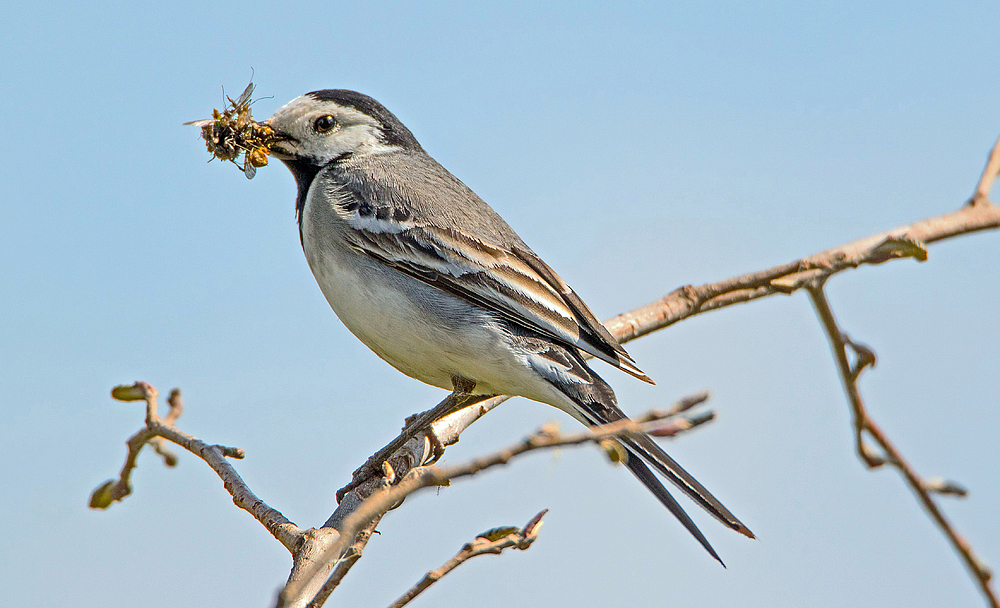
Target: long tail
x,y
642,450
594,403
646,449
648,479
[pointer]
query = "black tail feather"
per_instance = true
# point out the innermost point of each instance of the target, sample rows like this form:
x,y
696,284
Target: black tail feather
x,y
648,479
593,402
648,450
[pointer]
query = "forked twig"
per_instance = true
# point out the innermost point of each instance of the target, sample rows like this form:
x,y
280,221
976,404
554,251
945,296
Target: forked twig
x,y
214,455
865,426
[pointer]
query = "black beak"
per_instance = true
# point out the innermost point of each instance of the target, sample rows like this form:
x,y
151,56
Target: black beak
x,y
283,146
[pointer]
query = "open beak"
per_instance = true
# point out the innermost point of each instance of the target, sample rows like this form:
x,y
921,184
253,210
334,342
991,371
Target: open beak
x,y
282,145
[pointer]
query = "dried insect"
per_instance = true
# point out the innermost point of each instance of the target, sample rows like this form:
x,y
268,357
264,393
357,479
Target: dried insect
x,y
233,132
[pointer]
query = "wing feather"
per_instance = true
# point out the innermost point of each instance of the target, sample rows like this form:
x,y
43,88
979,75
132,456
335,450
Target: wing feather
x,y
514,283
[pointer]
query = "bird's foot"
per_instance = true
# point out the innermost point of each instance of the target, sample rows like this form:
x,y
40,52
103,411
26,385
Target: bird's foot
x,y
459,398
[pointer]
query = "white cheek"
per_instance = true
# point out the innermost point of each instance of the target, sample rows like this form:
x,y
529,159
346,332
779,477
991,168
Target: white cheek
x,y
358,139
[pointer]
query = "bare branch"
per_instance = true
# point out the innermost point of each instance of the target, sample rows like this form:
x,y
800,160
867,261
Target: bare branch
x,y
864,425
298,590
159,444
905,241
490,542
417,452
457,400
343,565
990,173
287,533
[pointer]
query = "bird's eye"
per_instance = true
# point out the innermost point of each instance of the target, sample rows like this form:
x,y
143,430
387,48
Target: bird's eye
x,y
324,123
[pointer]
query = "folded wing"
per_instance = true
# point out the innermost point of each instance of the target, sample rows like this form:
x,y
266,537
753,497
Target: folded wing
x,y
514,283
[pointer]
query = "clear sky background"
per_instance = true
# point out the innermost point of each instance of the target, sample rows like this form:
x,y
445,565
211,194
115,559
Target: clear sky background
x,y
636,149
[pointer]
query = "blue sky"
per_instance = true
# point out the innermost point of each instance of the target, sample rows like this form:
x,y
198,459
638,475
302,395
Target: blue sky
x,y
635,149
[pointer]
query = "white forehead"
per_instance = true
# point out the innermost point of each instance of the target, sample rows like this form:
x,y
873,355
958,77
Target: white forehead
x,y
355,132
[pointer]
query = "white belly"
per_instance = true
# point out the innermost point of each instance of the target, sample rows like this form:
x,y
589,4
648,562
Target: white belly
x,y
421,330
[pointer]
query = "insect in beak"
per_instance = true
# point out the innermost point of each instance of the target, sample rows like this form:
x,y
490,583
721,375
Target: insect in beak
x,y
233,132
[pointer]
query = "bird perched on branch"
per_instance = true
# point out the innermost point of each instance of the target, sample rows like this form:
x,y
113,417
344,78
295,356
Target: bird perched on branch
x,y
431,279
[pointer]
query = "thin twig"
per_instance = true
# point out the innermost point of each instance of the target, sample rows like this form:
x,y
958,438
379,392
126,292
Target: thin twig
x,y
864,425
492,542
287,533
159,444
990,172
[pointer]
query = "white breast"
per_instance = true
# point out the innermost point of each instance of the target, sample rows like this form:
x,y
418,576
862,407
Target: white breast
x,y
421,330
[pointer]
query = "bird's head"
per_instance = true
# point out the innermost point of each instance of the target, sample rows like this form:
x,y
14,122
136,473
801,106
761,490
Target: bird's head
x,y
331,126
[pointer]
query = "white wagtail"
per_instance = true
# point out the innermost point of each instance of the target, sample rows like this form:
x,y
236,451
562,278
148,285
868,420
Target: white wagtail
x,y
429,277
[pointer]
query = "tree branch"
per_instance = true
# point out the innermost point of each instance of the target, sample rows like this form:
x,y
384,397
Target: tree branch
x,y
417,452
905,241
287,533
977,214
863,424
490,542
990,172
314,573
308,588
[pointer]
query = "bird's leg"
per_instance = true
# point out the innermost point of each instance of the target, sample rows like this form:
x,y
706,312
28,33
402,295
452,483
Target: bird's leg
x,y
459,398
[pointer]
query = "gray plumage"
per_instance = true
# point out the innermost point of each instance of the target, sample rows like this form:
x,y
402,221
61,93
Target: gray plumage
x,y
434,281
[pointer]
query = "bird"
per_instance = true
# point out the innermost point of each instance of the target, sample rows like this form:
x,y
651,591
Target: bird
x,y
429,277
